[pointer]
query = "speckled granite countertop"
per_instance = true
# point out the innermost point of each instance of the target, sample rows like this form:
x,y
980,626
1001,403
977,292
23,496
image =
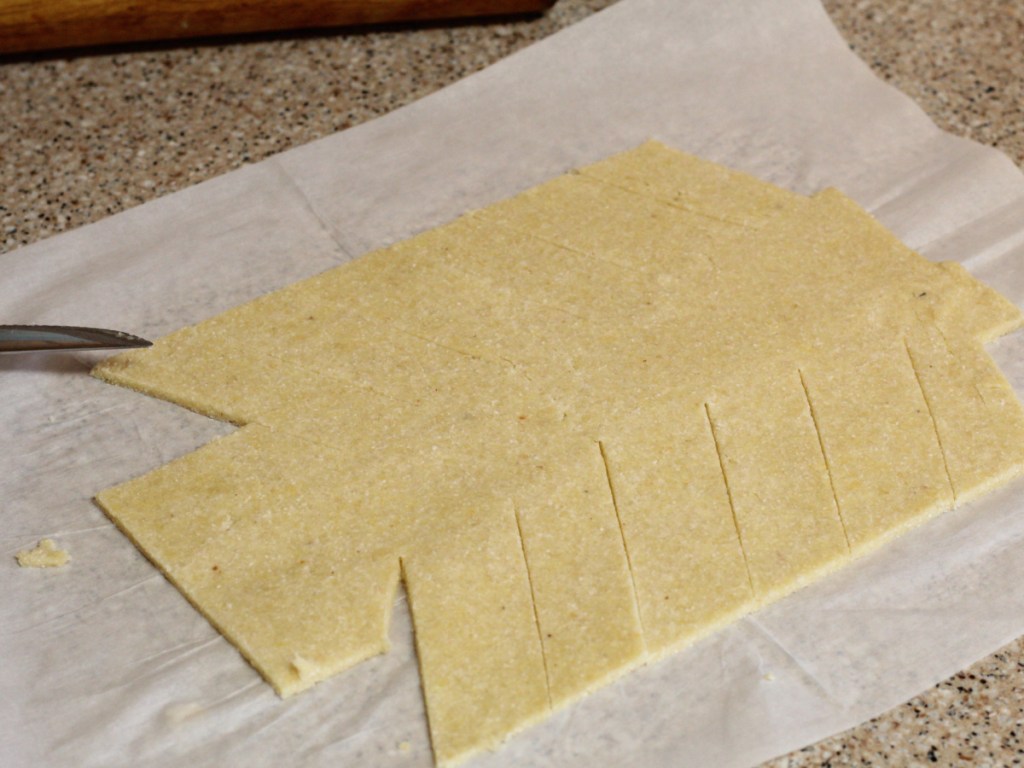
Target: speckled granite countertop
x,y
86,135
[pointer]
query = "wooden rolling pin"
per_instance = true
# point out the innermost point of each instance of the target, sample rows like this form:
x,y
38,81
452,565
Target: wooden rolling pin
x,y
36,25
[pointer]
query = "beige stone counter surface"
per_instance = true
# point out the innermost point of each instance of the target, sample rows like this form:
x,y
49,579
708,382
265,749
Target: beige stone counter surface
x,y
87,134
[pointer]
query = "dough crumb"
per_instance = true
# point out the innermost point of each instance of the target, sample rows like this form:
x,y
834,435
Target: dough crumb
x,y
404,746
768,677
304,668
45,555
178,713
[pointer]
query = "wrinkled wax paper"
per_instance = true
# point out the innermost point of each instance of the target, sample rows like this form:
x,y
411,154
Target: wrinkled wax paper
x,y
104,663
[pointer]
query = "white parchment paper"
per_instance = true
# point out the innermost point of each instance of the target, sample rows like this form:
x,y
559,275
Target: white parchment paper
x,y
105,664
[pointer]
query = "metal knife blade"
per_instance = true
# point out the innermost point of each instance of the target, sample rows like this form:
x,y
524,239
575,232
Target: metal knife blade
x,y
28,338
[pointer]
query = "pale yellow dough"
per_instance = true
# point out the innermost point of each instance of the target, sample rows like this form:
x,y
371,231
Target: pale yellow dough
x,y
586,426
46,554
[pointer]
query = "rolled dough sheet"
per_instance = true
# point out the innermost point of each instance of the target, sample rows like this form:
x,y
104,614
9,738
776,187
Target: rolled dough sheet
x,y
586,425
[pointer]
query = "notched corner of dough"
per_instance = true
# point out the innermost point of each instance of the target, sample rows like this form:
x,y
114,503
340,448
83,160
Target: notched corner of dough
x,y
46,554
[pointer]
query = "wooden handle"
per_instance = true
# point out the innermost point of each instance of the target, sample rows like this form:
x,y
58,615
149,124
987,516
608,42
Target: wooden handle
x,y
35,25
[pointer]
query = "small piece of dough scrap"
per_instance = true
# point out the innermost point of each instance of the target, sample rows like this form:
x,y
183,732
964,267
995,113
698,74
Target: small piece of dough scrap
x,y
46,554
